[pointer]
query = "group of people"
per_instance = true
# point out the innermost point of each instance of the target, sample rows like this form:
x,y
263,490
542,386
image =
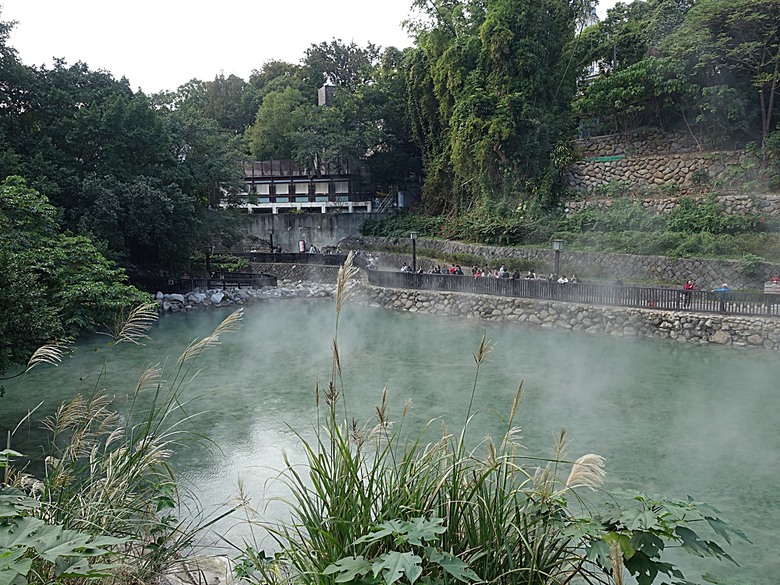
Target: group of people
x,y
500,272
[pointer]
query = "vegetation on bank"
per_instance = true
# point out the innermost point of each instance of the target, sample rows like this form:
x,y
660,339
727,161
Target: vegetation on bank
x,y
107,505
374,504
695,228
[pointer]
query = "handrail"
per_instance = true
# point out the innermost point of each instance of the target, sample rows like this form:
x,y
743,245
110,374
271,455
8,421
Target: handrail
x,y
728,302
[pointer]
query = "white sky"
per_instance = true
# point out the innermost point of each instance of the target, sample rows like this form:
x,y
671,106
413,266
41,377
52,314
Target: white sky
x,y
162,44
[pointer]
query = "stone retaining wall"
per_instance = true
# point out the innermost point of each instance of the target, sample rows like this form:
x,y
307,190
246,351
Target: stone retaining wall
x,y
644,141
589,266
654,171
650,159
765,204
674,325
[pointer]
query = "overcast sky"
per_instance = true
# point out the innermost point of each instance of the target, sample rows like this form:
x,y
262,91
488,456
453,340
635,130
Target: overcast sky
x,y
162,44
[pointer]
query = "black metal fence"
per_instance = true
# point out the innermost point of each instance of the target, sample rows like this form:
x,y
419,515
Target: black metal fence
x,y
730,302
221,280
301,258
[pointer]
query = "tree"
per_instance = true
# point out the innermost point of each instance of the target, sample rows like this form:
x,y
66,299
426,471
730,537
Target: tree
x,y
51,285
279,117
501,83
342,65
736,43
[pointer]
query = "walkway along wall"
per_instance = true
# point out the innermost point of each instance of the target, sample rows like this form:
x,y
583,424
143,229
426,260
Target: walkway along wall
x,y
676,325
593,266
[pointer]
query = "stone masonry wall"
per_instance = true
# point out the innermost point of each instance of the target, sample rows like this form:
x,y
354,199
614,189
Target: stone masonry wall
x,y
650,158
589,266
732,204
673,325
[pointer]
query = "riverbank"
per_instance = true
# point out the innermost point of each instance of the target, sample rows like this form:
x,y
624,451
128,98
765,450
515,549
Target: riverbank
x,y
674,325
208,298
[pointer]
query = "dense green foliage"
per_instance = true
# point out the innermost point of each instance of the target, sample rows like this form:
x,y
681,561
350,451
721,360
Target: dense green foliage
x,y
134,175
490,87
54,285
693,228
709,67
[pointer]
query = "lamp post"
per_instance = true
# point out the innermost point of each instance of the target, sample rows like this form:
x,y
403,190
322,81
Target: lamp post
x,y
413,235
557,247
271,238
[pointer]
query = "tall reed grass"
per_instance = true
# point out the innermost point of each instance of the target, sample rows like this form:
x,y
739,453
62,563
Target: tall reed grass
x,y
107,473
375,504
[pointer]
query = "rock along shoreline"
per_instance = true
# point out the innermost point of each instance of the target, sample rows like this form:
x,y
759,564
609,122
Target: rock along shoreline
x,y
200,299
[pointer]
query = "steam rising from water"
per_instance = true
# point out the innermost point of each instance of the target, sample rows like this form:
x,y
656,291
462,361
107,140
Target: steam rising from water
x,y
669,418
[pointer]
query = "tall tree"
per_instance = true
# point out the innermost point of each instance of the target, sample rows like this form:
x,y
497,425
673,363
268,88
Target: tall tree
x,y
736,43
501,81
51,285
340,64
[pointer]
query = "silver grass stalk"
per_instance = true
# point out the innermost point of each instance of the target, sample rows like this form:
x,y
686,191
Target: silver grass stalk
x,y
135,327
51,353
231,323
346,273
587,471
616,560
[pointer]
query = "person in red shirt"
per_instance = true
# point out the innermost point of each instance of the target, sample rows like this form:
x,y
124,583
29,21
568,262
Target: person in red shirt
x,y
687,288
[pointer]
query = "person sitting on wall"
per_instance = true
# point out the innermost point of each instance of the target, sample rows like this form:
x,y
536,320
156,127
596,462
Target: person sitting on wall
x,y
774,279
574,279
722,288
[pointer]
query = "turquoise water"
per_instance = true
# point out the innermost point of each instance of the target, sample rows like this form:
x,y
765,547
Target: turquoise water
x,y
670,418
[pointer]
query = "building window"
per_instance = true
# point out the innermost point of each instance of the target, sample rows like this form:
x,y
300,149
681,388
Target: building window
x,y
321,188
342,186
263,188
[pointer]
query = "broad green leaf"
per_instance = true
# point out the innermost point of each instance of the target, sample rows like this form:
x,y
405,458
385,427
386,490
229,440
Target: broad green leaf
x,y
11,560
385,529
394,565
724,530
422,529
348,568
452,565
648,543
598,552
634,519
692,543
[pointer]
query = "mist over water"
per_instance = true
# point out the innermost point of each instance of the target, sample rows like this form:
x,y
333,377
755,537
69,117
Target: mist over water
x,y
670,418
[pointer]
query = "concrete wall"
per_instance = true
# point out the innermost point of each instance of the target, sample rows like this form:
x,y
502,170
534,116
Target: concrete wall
x,y
320,229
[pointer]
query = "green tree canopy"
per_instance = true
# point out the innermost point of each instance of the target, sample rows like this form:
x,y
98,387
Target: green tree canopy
x,y
52,285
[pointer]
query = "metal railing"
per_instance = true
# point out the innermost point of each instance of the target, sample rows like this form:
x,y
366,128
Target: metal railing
x,y
730,302
221,280
301,258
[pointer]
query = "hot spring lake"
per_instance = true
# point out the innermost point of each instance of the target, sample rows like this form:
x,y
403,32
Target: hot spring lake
x,y
670,418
